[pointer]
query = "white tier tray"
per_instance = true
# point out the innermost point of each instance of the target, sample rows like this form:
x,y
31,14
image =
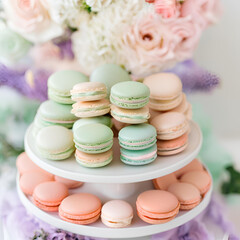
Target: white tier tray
x,y
138,228
117,172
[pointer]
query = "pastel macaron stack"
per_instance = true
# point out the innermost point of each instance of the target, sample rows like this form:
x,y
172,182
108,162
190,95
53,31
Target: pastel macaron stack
x,y
138,144
90,98
93,145
129,100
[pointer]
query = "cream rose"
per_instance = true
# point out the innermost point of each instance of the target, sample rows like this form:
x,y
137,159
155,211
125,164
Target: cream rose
x,y
31,19
98,5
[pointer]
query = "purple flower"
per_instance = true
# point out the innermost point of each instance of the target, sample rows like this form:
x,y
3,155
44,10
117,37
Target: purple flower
x,y
195,78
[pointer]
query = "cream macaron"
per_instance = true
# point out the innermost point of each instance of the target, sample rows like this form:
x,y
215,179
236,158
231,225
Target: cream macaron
x,y
165,91
170,125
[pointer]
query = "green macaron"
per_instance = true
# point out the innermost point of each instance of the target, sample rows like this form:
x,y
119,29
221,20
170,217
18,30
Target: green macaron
x,y
137,137
93,138
55,142
61,83
130,95
109,74
140,157
52,113
105,120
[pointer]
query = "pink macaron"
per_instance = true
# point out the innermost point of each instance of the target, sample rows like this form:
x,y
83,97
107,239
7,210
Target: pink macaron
x,y
25,164
171,147
157,206
29,180
162,183
117,214
200,179
80,208
194,165
187,194
170,125
68,182
48,195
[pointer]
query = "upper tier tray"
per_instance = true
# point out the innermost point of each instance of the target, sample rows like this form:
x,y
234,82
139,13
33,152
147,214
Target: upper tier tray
x,y
116,171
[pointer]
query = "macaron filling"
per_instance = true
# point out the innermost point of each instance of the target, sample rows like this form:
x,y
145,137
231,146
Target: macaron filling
x,y
172,149
134,116
137,145
103,147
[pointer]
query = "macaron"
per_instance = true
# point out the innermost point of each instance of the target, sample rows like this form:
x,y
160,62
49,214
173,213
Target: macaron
x,y
106,120
117,214
200,179
94,160
48,195
183,107
138,157
80,208
29,180
162,183
129,95
131,116
52,113
170,125
173,146
55,142
194,165
137,137
89,91
93,138
109,74
91,108
25,164
157,206
70,184
61,82
187,194
165,91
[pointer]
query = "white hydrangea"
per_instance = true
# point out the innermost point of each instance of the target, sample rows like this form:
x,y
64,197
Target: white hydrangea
x,y
68,12
98,5
98,41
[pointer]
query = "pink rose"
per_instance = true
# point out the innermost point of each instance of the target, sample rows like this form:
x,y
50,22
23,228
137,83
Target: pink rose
x,y
203,12
31,19
148,46
167,8
186,35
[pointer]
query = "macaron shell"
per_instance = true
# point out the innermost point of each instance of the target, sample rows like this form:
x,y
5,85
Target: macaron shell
x,y
131,116
109,74
163,86
91,108
29,180
44,207
199,179
183,106
187,194
194,165
155,221
162,183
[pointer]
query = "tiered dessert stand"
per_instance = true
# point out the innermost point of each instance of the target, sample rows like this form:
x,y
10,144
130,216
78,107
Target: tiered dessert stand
x,y
116,181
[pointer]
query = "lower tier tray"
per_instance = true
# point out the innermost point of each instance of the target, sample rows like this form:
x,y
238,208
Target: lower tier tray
x,y
116,171
138,228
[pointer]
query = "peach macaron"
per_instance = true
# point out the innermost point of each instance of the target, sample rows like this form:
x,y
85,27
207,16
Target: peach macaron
x,y
48,195
68,182
29,180
157,206
200,179
80,208
162,183
187,194
171,147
